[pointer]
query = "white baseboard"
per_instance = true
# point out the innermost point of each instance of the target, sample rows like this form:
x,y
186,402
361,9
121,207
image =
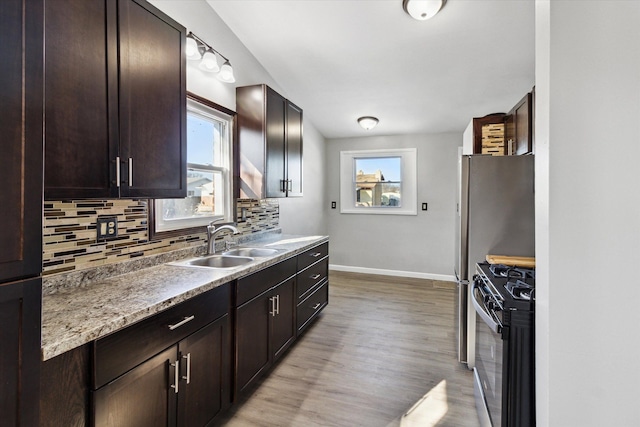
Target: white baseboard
x,y
397,273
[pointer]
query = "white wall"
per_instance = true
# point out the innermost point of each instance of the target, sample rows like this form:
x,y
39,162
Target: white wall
x,y
588,212
297,216
418,246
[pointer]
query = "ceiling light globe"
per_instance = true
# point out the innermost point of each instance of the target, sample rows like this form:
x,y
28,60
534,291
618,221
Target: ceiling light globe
x,y
368,122
422,9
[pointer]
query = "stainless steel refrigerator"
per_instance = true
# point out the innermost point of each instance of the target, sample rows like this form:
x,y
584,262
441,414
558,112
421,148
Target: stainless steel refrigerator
x,y
495,215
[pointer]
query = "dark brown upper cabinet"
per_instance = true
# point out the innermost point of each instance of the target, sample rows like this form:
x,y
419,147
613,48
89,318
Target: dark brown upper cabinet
x,y
519,126
21,127
488,135
270,138
115,101
21,130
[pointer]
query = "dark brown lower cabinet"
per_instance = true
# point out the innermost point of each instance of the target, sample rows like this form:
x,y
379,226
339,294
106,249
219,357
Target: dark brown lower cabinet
x,y
64,389
143,397
20,304
265,328
185,385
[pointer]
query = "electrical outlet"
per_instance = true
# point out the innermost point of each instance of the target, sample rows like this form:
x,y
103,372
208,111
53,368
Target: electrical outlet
x,y
107,228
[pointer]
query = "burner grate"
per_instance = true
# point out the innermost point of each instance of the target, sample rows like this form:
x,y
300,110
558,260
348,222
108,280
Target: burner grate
x,y
520,290
500,270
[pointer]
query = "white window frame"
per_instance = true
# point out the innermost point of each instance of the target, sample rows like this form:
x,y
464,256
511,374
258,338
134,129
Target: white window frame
x,y
409,204
226,170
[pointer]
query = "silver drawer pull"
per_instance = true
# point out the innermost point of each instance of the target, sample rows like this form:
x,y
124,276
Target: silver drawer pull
x,y
182,322
315,276
315,307
316,254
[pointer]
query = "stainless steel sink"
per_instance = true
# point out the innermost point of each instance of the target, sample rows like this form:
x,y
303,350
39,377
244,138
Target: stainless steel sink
x,y
252,252
216,261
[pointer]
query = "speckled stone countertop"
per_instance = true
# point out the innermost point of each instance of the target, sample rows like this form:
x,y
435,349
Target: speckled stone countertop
x,y
94,307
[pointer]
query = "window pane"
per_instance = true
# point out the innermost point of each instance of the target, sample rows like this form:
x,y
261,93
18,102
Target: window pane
x,y
205,198
377,181
204,140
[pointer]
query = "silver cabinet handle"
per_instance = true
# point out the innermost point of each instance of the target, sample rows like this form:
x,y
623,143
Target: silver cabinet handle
x,y
315,307
118,171
277,304
176,375
130,172
182,322
188,376
316,254
315,276
272,311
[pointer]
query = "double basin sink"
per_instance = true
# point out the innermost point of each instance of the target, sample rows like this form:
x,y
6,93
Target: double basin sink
x,y
229,259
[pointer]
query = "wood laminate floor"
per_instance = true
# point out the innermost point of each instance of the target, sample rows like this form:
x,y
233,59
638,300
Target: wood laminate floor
x,y
383,347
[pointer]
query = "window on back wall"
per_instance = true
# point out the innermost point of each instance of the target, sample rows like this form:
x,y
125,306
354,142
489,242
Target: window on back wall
x,y
209,174
378,182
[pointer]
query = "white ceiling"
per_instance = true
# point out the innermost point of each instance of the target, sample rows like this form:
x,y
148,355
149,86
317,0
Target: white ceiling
x,y
342,59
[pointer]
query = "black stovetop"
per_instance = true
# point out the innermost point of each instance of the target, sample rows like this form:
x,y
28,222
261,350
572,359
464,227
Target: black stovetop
x,y
515,285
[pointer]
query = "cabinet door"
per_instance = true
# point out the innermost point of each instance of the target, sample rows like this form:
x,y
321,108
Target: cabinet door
x,y
143,397
206,370
252,340
294,150
21,158
152,102
275,145
523,126
283,323
81,109
20,305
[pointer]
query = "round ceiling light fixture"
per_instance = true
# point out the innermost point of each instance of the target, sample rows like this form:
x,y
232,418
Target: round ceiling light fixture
x,y
368,122
422,9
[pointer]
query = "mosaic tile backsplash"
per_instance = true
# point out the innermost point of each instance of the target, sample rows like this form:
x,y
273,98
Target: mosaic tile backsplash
x,y
69,231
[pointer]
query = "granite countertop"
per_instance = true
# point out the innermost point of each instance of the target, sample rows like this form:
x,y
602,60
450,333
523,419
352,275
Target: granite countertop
x,y
73,315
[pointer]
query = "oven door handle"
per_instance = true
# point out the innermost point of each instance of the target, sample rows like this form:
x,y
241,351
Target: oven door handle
x,y
493,325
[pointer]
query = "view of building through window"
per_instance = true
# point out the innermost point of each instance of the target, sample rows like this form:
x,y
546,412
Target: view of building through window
x,y
378,181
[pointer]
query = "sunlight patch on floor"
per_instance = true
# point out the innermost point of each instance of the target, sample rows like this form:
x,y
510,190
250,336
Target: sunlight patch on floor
x,y
429,410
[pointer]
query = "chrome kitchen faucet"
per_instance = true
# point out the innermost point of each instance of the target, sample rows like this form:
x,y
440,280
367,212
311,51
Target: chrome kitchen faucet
x,y
212,231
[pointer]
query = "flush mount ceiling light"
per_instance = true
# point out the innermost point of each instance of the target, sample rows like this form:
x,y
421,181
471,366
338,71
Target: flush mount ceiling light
x,y
367,122
197,49
422,9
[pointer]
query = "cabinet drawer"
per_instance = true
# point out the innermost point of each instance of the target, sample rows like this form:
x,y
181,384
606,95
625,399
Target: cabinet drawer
x,y
307,258
121,351
310,307
251,286
309,278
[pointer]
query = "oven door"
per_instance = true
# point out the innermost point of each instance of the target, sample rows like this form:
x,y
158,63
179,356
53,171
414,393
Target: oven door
x,y
489,358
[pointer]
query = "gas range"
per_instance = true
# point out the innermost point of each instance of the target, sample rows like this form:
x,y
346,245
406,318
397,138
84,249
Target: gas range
x,y
504,375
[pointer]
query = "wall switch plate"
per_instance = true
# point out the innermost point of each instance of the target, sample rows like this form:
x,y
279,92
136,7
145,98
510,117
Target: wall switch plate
x,y
107,228
424,206
333,205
